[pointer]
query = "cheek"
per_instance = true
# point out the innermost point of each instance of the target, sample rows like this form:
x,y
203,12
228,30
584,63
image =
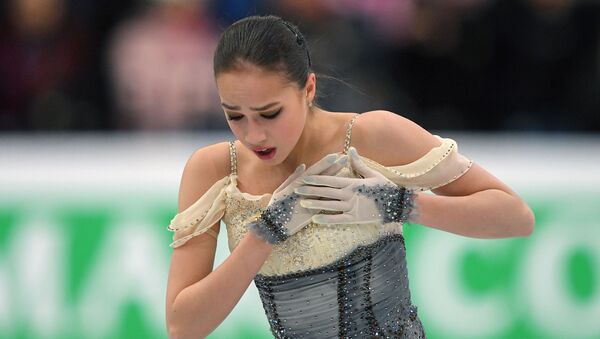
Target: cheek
x,y
292,129
287,133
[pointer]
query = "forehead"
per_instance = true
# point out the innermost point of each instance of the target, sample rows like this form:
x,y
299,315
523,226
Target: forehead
x,y
253,86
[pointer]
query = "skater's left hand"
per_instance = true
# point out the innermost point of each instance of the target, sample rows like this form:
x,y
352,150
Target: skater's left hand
x,y
370,199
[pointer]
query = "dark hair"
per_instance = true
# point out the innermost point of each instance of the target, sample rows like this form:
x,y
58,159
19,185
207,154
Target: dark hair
x,y
265,41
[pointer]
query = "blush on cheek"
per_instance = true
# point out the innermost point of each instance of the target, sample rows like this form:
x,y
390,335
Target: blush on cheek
x,y
287,134
294,131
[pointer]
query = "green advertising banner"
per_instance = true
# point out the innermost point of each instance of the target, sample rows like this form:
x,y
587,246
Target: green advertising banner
x,y
84,247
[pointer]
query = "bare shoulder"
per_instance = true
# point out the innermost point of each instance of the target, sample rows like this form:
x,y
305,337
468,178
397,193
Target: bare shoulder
x,y
194,260
204,167
391,139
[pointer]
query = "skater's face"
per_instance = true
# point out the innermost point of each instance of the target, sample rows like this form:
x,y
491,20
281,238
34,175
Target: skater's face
x,y
264,110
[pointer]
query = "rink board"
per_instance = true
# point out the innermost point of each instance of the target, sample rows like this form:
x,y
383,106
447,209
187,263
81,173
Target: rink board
x,y
84,247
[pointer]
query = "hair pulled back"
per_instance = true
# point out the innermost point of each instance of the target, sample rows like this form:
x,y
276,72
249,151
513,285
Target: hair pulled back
x,y
268,42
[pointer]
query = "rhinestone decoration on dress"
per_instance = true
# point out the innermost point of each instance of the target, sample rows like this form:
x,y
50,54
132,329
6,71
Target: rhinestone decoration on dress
x,y
363,295
345,281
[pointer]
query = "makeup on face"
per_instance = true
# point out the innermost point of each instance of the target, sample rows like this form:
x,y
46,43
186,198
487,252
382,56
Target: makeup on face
x,y
266,115
265,153
263,111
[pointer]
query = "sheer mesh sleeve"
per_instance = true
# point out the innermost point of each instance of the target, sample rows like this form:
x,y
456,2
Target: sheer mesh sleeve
x,y
440,166
201,215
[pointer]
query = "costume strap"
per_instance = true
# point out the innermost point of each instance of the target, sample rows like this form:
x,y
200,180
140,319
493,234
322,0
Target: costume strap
x,y
349,134
233,157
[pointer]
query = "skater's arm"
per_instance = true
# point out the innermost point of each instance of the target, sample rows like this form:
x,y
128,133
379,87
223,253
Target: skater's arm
x,y
198,299
473,203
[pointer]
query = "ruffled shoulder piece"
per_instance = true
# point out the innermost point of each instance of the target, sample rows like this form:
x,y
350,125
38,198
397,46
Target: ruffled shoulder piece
x,y
440,166
201,215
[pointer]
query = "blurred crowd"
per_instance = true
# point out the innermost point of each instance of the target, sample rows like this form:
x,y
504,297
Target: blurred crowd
x,y
488,65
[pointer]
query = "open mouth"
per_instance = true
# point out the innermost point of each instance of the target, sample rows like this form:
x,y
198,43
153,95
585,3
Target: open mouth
x,y
265,152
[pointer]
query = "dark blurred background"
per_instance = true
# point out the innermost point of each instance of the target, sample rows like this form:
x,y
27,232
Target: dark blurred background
x,y
83,216
489,65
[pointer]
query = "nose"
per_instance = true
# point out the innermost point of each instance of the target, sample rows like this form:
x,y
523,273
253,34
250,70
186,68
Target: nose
x,y
255,134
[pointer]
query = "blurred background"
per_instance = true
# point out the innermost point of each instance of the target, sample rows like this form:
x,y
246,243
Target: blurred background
x,y
102,102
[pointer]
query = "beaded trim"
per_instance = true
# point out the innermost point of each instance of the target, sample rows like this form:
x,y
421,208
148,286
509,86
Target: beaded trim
x,y
349,135
366,290
266,293
174,228
233,157
395,204
271,225
193,223
267,230
447,181
435,163
344,308
454,177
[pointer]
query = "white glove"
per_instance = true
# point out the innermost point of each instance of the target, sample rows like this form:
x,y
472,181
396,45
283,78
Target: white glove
x,y
284,216
371,199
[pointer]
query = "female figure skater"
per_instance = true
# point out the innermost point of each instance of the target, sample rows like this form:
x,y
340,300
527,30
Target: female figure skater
x,y
314,202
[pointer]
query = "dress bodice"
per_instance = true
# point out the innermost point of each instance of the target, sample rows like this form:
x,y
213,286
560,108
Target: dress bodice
x,y
329,281
313,246
224,201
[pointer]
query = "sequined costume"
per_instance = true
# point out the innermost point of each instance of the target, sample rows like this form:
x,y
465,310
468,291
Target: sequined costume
x,y
324,281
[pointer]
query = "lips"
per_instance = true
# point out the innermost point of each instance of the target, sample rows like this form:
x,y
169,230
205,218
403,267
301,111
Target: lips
x,y
264,152
262,149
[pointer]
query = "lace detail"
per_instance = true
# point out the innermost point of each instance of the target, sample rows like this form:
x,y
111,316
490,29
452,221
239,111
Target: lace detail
x,y
313,246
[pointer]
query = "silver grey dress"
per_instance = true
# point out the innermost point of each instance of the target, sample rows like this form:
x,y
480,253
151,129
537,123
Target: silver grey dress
x,y
363,295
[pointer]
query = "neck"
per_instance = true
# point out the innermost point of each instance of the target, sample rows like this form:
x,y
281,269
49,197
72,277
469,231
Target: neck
x,y
309,141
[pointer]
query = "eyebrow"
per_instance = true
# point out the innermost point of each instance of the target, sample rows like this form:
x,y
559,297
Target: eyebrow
x,y
262,108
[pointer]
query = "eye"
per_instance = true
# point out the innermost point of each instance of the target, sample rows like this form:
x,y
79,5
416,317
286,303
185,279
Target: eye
x,y
267,116
272,116
234,117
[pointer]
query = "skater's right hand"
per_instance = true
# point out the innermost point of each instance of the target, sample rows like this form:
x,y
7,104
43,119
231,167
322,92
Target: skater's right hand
x,y
284,216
